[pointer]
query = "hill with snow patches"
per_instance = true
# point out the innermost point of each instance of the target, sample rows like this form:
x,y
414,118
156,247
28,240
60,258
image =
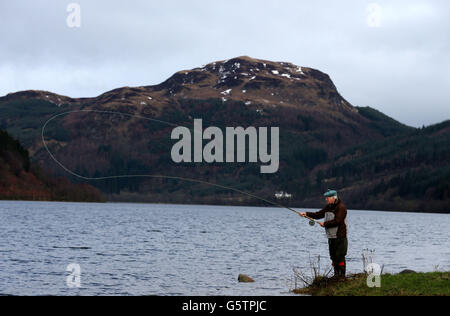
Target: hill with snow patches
x,y
373,160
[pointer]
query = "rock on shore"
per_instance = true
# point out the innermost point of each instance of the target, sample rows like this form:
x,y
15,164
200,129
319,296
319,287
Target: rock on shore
x,y
245,278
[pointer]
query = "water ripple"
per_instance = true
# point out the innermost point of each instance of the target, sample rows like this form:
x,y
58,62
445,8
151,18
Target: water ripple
x,y
144,249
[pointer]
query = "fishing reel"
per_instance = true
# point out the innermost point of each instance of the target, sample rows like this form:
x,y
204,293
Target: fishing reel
x,y
312,222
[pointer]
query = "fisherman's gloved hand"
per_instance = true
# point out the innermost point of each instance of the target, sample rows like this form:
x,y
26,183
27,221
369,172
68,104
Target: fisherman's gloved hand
x,y
303,214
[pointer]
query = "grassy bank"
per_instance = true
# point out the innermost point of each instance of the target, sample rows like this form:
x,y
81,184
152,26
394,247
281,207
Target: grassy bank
x,y
413,284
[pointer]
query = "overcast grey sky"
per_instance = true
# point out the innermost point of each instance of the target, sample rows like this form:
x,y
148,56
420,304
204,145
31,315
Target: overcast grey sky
x,y
393,56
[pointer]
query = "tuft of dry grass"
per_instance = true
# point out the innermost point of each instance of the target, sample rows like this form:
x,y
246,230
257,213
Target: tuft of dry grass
x,y
315,276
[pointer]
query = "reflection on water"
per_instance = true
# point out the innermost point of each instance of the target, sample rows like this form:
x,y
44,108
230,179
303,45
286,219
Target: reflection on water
x,y
146,249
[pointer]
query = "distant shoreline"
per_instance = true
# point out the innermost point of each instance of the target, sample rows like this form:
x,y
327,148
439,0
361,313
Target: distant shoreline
x,y
220,205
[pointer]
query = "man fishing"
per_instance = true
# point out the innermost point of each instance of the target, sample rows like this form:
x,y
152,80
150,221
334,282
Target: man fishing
x,y
335,224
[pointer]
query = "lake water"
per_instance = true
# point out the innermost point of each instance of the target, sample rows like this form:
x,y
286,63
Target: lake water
x,y
148,249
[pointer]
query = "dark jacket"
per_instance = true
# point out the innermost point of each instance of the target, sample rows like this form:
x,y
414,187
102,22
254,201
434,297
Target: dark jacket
x,y
340,215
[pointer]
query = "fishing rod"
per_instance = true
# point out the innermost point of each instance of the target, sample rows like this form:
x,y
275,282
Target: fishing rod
x,y
312,221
